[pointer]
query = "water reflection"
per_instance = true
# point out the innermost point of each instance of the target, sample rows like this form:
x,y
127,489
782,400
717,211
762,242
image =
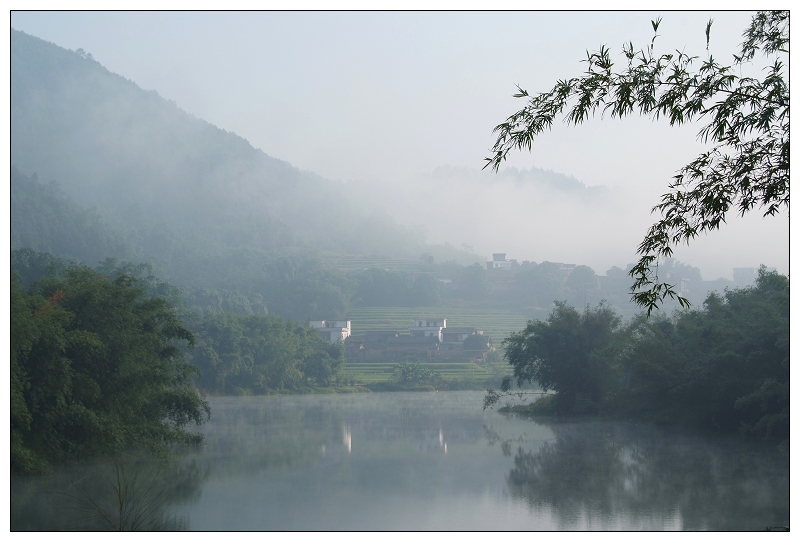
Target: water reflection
x,y
593,474
419,461
131,493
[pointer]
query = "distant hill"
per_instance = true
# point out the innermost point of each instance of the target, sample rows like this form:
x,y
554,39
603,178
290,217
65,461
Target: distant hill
x,y
44,219
542,178
151,169
102,168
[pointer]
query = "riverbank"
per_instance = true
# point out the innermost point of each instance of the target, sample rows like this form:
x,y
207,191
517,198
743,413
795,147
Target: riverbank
x,y
547,408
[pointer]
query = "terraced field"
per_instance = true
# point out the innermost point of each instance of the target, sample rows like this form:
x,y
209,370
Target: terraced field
x,y
497,323
374,372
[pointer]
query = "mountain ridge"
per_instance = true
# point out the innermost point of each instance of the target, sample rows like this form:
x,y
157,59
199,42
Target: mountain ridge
x,y
142,160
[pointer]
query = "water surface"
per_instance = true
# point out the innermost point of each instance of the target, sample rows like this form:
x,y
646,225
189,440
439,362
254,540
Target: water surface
x,y
436,461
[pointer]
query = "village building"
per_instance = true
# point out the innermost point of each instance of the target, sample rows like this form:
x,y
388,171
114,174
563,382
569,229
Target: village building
x,y
428,328
499,262
412,348
369,346
332,330
453,337
429,339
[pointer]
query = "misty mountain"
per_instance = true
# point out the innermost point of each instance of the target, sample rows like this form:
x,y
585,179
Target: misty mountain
x,y
103,168
543,179
151,168
530,214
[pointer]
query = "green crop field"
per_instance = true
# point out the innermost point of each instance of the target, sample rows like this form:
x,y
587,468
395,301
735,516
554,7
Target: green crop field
x,y
497,323
373,372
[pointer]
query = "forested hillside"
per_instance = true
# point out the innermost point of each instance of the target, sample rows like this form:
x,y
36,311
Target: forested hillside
x,y
45,219
236,279
102,168
170,177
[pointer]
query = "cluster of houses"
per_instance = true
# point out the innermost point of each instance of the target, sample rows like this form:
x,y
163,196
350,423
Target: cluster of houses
x,y
500,262
428,339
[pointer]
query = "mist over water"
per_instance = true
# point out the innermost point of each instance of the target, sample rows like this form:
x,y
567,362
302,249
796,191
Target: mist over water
x,y
267,173
436,461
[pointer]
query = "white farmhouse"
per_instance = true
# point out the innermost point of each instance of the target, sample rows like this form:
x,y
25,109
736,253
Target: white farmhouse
x,y
332,330
499,262
431,327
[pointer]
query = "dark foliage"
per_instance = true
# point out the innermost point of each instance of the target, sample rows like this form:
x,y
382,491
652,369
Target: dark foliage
x,y
569,353
256,354
96,367
724,367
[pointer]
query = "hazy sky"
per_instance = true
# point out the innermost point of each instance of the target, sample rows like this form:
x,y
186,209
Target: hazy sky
x,y
388,97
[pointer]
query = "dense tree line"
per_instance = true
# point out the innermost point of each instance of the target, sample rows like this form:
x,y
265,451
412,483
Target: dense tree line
x,y
96,367
183,186
229,276
383,288
255,354
111,358
724,366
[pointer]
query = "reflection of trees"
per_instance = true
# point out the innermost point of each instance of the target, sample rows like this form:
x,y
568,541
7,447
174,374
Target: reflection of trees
x,y
648,478
130,493
569,474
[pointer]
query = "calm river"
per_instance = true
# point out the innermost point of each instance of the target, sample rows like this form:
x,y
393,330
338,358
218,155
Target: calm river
x,y
421,461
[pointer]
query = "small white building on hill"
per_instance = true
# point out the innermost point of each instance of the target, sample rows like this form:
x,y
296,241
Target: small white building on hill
x,y
431,327
332,330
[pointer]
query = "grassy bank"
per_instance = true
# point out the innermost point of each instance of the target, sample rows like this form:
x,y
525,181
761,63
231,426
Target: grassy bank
x,y
378,376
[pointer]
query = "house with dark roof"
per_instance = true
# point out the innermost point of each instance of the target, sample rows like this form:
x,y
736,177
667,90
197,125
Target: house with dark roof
x,y
453,337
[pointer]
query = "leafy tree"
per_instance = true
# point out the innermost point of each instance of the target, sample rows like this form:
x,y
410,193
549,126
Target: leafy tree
x,y
616,273
200,301
724,367
96,367
649,366
738,347
243,354
32,266
746,127
324,363
582,277
569,353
